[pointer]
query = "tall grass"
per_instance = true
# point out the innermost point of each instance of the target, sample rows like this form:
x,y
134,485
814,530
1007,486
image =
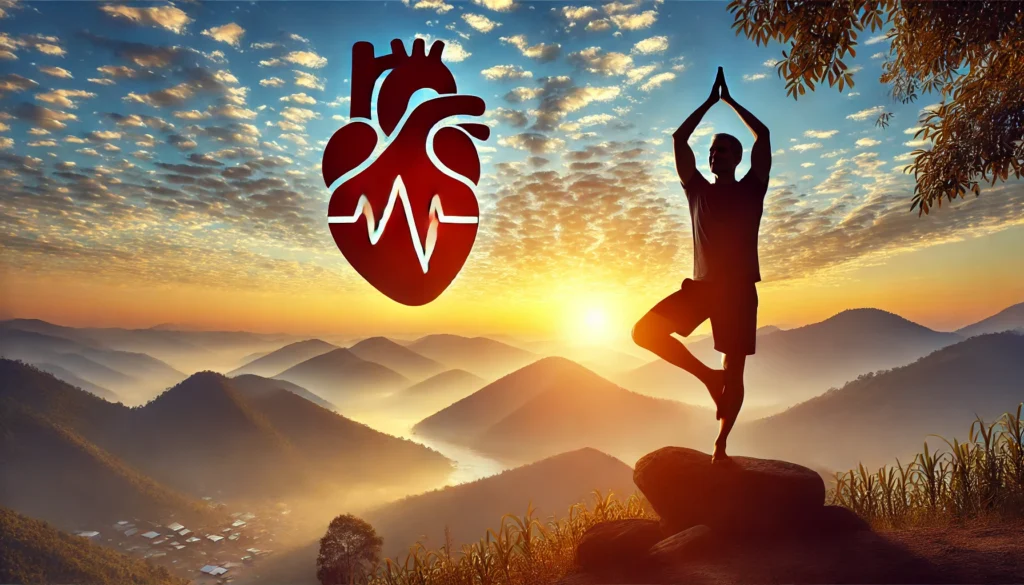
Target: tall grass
x,y
980,477
523,550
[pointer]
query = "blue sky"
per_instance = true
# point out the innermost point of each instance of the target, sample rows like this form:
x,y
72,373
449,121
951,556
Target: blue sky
x,y
179,144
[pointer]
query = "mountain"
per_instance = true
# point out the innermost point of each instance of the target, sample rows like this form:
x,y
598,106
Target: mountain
x,y
47,329
465,420
151,371
66,376
52,472
32,551
344,378
231,447
552,486
586,410
399,358
889,414
555,405
435,393
793,365
254,386
481,356
280,360
1009,319
344,448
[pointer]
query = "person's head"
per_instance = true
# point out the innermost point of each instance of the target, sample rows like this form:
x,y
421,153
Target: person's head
x,y
725,154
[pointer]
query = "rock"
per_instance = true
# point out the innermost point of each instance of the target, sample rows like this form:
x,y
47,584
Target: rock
x,y
743,496
837,520
617,543
682,545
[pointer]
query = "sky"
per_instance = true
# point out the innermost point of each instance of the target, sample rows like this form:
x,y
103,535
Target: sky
x,y
161,164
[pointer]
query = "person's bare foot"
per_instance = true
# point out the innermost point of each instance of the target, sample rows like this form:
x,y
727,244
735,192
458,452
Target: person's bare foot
x,y
719,455
716,387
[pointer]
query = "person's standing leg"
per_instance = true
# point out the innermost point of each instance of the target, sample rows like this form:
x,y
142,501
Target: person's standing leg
x,y
732,401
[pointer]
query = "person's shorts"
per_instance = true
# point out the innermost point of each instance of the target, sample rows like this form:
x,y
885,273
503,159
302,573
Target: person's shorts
x,y
732,309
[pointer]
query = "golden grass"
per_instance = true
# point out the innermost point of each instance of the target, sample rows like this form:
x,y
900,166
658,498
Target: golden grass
x,y
982,477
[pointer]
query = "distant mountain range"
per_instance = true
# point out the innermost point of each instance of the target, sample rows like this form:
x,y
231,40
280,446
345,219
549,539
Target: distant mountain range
x,y
555,405
399,358
434,393
796,364
1009,319
552,486
481,356
889,414
32,551
67,450
345,379
279,360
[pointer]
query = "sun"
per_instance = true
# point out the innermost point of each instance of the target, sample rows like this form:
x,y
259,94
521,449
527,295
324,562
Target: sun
x,y
595,324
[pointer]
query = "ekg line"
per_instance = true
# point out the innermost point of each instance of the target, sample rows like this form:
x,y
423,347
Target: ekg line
x,y
398,191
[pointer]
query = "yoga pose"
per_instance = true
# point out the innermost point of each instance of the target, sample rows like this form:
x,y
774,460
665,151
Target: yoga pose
x,y
725,217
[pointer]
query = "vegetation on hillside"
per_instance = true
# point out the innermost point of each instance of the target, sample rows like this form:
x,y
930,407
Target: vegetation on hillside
x,y
32,551
982,476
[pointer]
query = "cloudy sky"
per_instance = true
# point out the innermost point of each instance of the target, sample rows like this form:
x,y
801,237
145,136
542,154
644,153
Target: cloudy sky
x,y
161,163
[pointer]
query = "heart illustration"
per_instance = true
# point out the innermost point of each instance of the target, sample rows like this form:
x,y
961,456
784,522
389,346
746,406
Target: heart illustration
x,y
403,209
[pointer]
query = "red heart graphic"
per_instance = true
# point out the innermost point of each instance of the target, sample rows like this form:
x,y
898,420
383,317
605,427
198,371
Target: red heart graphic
x,y
406,221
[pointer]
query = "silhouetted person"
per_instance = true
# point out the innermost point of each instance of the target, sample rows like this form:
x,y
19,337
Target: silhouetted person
x,y
725,218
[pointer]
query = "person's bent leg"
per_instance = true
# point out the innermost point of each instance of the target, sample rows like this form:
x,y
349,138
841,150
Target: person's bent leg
x,y
654,332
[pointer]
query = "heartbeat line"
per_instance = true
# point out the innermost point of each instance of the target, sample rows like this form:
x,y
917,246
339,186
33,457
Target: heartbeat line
x,y
398,192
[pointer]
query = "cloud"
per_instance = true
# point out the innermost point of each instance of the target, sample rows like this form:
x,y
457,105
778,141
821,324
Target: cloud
x,y
13,82
141,54
542,52
559,96
866,142
480,23
755,76
453,51
532,142
771,62
514,118
599,25
865,114
299,98
805,147
497,5
592,59
168,17
42,117
198,81
273,82
303,79
56,72
229,33
64,97
652,45
876,39
576,14
438,6
636,74
506,72
643,20
820,133
657,80
45,44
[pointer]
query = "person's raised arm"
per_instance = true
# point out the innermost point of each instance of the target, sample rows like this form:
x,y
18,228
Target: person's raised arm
x,y
761,153
686,163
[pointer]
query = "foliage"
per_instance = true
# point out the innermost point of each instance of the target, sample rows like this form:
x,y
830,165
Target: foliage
x,y
523,550
32,551
350,547
981,476
970,52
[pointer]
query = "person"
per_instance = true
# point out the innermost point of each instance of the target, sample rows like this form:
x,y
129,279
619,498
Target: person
x,y
725,217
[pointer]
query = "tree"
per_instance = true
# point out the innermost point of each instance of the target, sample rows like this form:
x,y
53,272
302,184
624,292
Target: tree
x,y
348,551
971,52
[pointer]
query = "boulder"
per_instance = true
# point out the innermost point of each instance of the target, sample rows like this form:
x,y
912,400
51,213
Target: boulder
x,y
686,544
617,543
741,496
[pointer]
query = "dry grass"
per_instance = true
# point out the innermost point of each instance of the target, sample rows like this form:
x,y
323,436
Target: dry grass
x,y
982,477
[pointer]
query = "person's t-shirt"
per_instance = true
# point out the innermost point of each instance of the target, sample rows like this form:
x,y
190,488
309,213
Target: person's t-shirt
x,y
725,219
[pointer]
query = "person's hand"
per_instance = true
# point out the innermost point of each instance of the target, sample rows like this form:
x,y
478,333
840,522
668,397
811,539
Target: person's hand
x,y
715,89
723,87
